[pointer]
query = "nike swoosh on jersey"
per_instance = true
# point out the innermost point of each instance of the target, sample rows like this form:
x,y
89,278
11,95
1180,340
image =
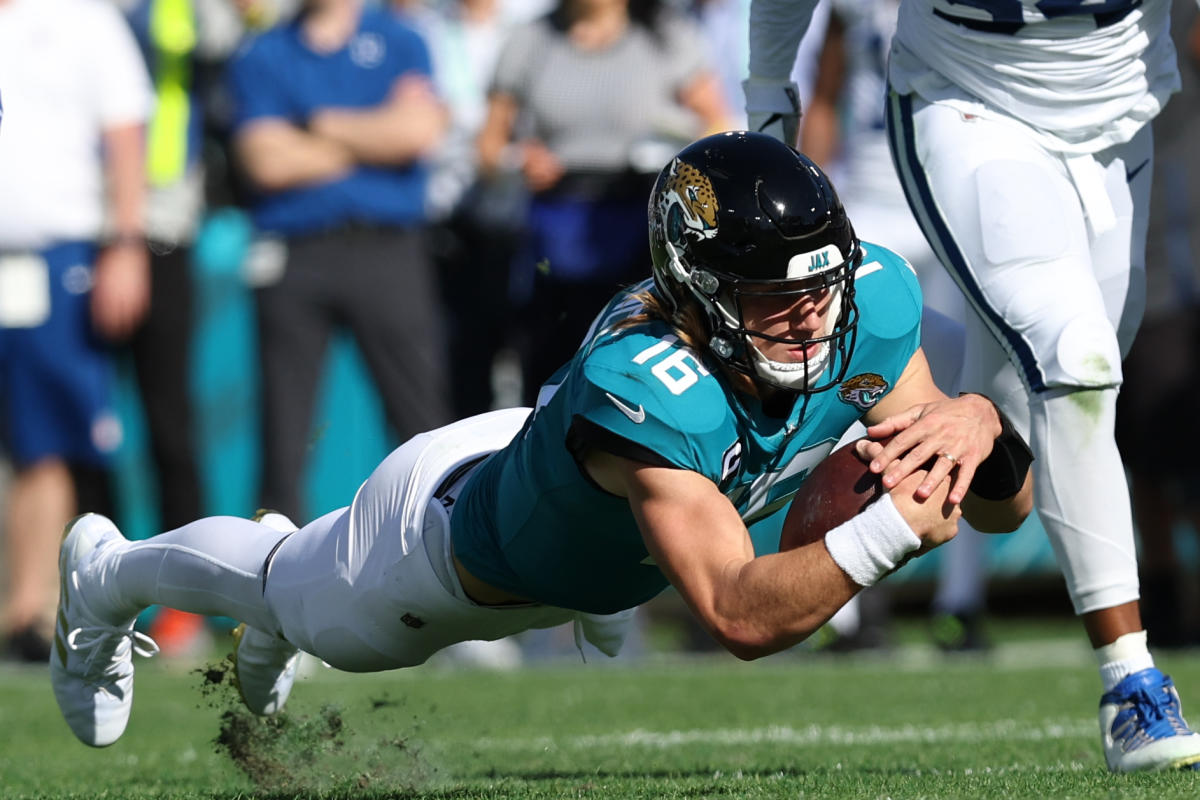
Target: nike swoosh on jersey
x,y
1132,173
638,415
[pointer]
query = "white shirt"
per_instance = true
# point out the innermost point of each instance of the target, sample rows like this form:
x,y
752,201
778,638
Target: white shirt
x,y
69,70
1080,85
464,54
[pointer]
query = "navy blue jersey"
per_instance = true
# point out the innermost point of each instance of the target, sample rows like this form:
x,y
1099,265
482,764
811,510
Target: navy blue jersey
x,y
531,522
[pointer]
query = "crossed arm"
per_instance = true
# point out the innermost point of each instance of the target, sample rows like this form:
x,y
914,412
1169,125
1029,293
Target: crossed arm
x,y
279,155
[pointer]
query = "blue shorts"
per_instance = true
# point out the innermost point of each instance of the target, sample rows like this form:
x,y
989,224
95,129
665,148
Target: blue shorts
x,y
56,377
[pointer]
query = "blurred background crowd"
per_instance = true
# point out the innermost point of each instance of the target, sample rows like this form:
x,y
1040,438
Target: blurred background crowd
x,y
249,246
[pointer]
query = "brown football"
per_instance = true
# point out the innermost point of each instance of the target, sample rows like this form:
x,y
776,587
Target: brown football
x,y
838,488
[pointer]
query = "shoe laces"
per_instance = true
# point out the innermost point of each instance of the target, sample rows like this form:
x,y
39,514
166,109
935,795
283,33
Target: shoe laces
x,y
1151,713
102,642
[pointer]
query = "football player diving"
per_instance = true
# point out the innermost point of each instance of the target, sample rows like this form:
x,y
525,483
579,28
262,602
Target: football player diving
x,y
694,408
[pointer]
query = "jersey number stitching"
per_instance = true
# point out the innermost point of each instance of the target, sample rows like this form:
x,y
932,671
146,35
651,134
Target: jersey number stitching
x,y
675,371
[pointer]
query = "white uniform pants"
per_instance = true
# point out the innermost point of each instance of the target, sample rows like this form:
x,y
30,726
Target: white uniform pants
x,y
368,587
1049,251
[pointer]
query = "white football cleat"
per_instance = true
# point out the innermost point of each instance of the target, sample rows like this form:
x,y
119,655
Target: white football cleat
x,y
1142,726
91,665
264,669
265,664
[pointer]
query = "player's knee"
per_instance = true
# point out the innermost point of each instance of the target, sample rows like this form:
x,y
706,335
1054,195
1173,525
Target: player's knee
x,y
1088,355
1079,419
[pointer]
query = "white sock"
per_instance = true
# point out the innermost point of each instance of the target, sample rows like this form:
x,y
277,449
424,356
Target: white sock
x,y
847,620
1127,655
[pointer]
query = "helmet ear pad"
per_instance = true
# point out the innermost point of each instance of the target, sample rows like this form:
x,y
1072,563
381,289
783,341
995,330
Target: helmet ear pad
x,y
739,209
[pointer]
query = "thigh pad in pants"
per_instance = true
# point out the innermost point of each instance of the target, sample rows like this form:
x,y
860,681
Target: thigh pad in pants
x,y
371,587
1005,216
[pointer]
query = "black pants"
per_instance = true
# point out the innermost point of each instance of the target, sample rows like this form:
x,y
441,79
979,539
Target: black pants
x,y
162,359
555,323
473,265
379,284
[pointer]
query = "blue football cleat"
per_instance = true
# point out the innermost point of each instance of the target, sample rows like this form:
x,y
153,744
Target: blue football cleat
x,y
1142,726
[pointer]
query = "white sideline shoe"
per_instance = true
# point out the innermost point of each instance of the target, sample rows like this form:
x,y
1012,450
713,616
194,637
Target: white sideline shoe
x,y
264,664
91,665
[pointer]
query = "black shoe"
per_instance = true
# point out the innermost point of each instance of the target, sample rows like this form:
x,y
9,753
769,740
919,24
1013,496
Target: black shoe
x,y
959,633
28,646
1162,610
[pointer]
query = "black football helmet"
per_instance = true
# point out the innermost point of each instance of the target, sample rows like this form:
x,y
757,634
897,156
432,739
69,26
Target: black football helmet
x,y
738,214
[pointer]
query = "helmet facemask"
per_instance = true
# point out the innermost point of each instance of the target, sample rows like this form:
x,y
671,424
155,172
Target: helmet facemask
x,y
733,341
740,217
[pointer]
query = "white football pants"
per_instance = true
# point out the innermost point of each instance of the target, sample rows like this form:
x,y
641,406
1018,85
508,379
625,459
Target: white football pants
x,y
368,587
1049,251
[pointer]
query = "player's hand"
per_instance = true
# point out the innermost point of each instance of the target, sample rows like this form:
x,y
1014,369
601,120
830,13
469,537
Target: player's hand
x,y
956,434
414,104
934,518
773,108
120,289
541,167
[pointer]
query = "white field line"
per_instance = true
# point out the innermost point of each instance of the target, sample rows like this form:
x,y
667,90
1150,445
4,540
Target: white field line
x,y
997,769
808,736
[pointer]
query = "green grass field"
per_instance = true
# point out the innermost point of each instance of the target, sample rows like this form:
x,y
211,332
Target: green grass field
x,y
1019,723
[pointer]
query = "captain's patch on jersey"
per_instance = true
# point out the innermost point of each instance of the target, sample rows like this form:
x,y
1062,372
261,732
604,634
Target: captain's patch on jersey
x,y
863,391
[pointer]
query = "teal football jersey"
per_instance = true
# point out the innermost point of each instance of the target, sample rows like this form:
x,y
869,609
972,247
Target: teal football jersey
x,y
531,522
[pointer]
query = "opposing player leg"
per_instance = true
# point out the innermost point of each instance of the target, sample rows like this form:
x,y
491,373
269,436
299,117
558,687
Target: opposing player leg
x,y
1041,247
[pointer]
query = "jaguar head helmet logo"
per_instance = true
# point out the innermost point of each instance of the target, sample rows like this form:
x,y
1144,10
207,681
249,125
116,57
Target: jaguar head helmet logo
x,y
690,204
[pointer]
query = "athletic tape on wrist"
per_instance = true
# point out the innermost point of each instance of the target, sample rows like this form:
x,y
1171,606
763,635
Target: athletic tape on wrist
x,y
871,544
771,96
1002,474
773,108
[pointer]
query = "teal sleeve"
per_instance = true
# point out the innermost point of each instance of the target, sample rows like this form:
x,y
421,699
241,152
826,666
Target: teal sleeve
x,y
888,295
668,403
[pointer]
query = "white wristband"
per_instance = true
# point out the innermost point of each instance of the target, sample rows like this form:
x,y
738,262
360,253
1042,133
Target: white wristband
x,y
871,544
771,96
773,108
